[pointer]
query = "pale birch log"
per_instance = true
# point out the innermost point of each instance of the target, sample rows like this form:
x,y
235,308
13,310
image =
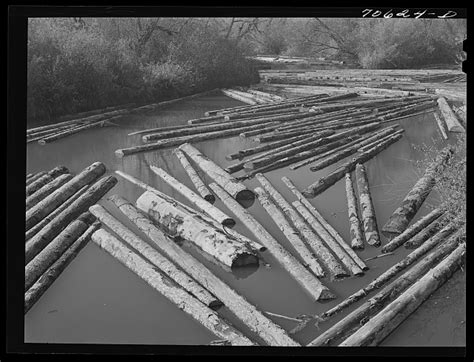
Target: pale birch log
x,y
168,288
239,97
357,238
194,177
155,257
449,117
47,190
43,180
324,222
441,125
270,333
303,277
271,96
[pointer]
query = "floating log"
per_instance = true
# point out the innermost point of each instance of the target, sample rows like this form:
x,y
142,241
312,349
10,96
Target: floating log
x,y
239,97
271,96
426,233
380,140
54,200
302,276
325,182
164,265
34,293
46,178
235,188
52,251
402,216
449,117
38,135
271,333
323,222
81,204
223,247
329,240
441,125
412,230
290,232
167,287
313,240
251,115
194,177
380,326
95,112
47,189
394,270
195,199
35,177
369,220
388,293
357,239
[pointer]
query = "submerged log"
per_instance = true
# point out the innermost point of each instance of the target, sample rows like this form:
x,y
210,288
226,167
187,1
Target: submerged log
x,y
441,125
195,199
194,177
290,232
51,252
385,322
223,247
47,190
43,180
167,287
402,216
313,240
235,188
303,277
324,223
271,333
52,201
369,219
357,239
449,117
164,265
51,230
34,293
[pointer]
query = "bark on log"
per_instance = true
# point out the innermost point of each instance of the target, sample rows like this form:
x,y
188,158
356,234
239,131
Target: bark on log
x,y
368,146
449,117
43,180
224,248
194,177
357,238
323,222
369,220
47,190
194,198
35,292
388,293
51,230
313,240
426,233
380,326
168,288
441,125
164,265
270,333
235,188
303,277
35,177
51,202
309,260
51,252
410,205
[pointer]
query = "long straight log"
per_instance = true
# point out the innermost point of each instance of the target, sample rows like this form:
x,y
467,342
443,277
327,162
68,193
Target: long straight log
x,y
47,189
369,220
156,258
235,188
271,96
195,199
354,320
36,135
35,177
271,333
251,115
313,240
357,238
51,252
54,200
34,293
324,222
303,277
412,230
380,140
410,205
394,270
43,180
239,97
449,117
39,241
170,289
385,322
223,247
290,232
194,177
430,230
441,125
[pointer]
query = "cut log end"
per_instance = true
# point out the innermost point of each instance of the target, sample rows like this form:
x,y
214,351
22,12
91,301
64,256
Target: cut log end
x,y
246,198
245,259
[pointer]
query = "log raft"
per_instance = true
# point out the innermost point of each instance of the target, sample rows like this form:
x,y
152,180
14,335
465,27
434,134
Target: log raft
x,y
47,189
46,178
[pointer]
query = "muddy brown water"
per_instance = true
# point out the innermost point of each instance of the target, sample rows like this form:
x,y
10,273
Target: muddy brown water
x,y
98,300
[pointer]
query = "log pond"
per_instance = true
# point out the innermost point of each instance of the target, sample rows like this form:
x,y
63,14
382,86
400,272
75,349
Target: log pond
x,y
98,300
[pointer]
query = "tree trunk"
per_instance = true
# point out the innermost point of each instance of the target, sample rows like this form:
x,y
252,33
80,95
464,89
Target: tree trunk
x,y
449,117
43,180
357,239
47,190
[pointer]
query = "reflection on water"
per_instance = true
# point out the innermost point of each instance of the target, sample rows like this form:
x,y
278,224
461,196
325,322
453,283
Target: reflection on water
x,y
99,301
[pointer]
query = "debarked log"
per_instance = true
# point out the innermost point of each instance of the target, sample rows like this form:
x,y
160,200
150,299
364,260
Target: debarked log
x,y
449,117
